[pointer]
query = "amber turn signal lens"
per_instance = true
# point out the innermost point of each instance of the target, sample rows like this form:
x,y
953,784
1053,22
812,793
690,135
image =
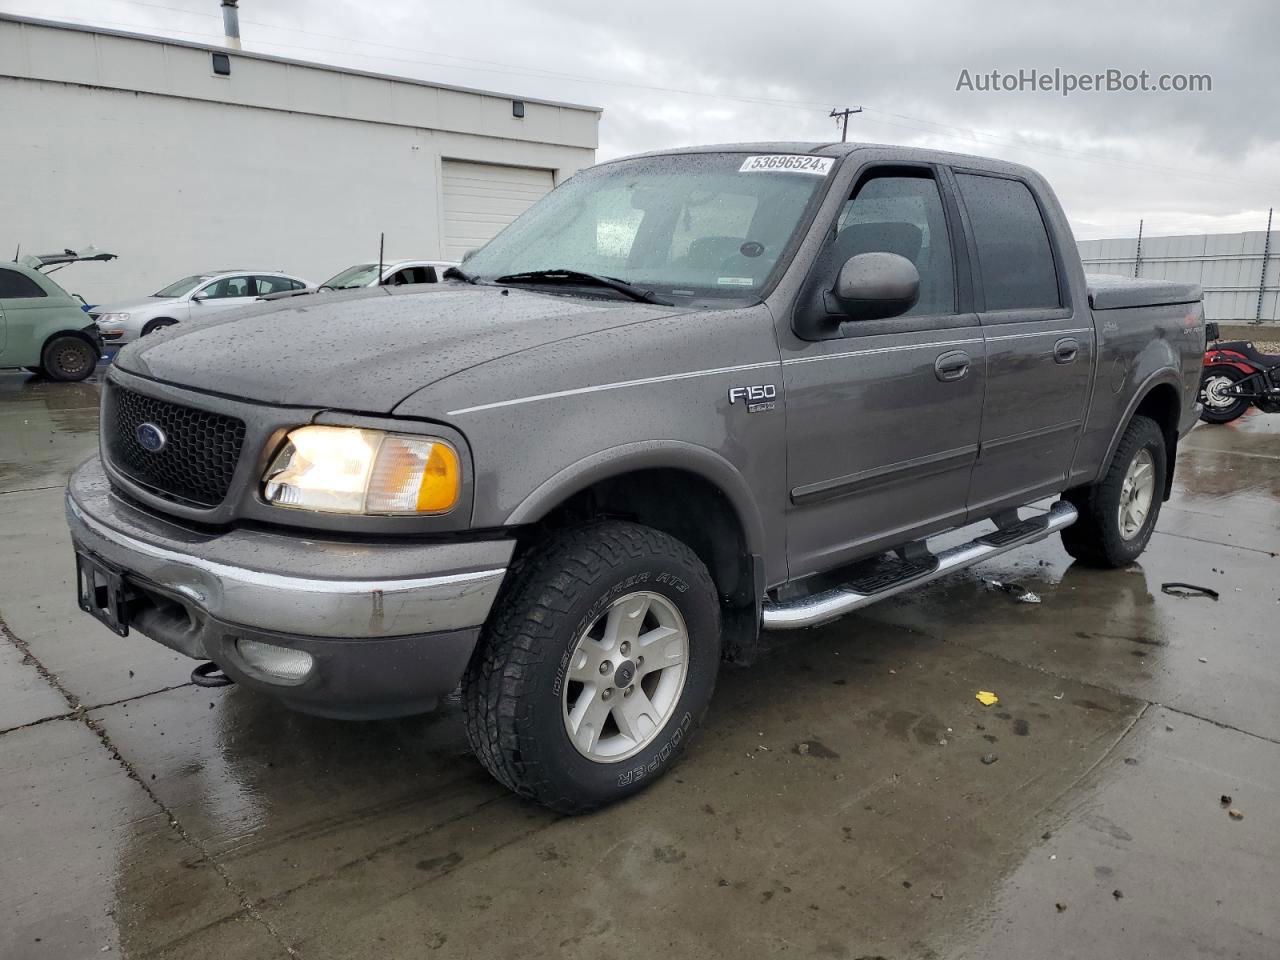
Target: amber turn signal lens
x,y
441,480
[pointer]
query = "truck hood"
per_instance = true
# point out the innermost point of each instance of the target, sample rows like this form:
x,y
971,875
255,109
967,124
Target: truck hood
x,y
366,350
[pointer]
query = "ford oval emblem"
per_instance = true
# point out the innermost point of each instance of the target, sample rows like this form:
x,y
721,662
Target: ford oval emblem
x,y
150,437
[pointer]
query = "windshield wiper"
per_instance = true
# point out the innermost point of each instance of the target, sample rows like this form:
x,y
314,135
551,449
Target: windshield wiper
x,y
578,277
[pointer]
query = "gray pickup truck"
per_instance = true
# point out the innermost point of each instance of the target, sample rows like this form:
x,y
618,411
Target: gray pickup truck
x,y
685,397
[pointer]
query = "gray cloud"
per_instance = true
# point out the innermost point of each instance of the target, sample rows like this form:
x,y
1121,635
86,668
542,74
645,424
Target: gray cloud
x,y
1183,162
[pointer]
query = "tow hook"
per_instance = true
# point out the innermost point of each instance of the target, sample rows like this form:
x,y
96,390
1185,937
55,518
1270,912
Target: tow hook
x,y
210,675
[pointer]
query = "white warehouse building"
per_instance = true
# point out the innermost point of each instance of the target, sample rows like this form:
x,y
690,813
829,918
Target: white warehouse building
x,y
185,157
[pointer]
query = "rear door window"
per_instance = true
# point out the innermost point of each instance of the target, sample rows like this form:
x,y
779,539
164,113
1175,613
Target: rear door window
x,y
1015,259
17,286
268,285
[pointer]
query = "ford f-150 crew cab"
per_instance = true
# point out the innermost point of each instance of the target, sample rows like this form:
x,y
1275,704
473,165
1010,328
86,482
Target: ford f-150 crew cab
x,y
685,397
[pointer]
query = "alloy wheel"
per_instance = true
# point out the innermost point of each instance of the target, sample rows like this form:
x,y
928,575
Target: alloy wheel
x,y
1137,493
626,673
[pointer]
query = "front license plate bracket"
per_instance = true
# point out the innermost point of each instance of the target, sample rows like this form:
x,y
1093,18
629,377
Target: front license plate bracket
x,y
102,594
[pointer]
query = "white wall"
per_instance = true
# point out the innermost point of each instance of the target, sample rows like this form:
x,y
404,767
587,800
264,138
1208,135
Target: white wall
x,y
177,186
134,146
1227,265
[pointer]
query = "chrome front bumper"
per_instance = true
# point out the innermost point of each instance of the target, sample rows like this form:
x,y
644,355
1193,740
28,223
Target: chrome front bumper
x,y
290,583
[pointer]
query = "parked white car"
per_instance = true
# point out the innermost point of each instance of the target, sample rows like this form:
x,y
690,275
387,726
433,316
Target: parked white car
x,y
187,299
395,273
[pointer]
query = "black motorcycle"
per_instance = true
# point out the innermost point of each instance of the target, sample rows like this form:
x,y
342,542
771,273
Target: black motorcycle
x,y
1235,376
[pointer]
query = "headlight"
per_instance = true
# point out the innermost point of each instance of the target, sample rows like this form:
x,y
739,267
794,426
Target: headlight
x,y
353,470
112,317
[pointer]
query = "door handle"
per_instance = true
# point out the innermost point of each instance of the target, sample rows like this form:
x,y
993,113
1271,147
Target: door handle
x,y
1066,350
951,366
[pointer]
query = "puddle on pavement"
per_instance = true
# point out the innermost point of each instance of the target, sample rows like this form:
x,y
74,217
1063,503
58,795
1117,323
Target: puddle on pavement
x,y
46,428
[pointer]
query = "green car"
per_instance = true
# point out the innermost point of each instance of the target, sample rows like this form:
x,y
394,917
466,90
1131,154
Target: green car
x,y
42,327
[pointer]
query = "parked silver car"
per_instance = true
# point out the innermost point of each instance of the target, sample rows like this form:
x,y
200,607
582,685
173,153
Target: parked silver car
x,y
188,298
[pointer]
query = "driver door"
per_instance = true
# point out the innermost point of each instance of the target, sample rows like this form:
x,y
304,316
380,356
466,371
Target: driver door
x,y
883,417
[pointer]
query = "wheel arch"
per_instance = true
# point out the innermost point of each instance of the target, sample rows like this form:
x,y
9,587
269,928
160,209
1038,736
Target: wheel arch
x,y
1159,398
71,332
154,321
688,491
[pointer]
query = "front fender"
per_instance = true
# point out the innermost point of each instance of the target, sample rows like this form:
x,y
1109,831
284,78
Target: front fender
x,y
647,455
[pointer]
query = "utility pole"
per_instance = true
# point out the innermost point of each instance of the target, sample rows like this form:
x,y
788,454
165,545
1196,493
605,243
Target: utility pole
x,y
844,116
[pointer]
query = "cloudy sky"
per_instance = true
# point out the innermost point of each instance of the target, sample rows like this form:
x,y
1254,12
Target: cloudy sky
x,y
697,71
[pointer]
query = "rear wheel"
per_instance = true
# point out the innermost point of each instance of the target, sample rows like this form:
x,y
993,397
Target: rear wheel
x,y
67,357
595,667
1118,513
1219,405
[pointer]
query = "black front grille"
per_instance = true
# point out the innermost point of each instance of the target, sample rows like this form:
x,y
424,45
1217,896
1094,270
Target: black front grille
x,y
199,454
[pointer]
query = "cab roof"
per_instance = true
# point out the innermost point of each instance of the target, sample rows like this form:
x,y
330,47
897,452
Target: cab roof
x,y
836,149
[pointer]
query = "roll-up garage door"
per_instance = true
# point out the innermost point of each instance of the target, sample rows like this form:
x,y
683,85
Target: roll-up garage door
x,y
482,198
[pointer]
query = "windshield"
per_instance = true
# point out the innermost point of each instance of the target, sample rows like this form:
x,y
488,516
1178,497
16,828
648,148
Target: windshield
x,y
697,225
181,288
361,275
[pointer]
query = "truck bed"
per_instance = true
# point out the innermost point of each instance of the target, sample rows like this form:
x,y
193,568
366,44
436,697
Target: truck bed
x,y
1111,292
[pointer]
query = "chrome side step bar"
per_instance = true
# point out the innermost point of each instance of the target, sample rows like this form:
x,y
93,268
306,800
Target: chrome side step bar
x,y
829,604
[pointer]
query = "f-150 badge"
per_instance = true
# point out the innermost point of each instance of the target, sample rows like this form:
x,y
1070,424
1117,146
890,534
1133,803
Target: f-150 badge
x,y
758,398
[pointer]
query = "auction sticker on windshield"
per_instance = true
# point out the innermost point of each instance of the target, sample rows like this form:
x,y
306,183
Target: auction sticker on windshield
x,y
787,163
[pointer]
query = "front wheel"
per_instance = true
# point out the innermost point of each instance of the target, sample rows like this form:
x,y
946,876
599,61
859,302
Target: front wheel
x,y
596,666
1220,406
1118,513
68,357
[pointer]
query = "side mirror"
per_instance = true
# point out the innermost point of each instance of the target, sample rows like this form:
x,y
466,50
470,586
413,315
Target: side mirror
x,y
873,286
199,298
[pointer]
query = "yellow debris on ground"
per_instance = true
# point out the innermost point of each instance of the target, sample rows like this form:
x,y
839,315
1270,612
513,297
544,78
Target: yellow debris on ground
x,y
986,698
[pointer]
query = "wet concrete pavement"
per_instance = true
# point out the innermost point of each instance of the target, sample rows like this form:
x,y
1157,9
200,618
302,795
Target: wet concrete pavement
x,y
835,805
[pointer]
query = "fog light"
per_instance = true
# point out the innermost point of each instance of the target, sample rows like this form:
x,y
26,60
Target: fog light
x,y
283,662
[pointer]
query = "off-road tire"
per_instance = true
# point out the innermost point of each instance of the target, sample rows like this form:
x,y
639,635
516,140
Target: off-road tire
x,y
1223,414
158,324
1095,537
512,693
68,358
